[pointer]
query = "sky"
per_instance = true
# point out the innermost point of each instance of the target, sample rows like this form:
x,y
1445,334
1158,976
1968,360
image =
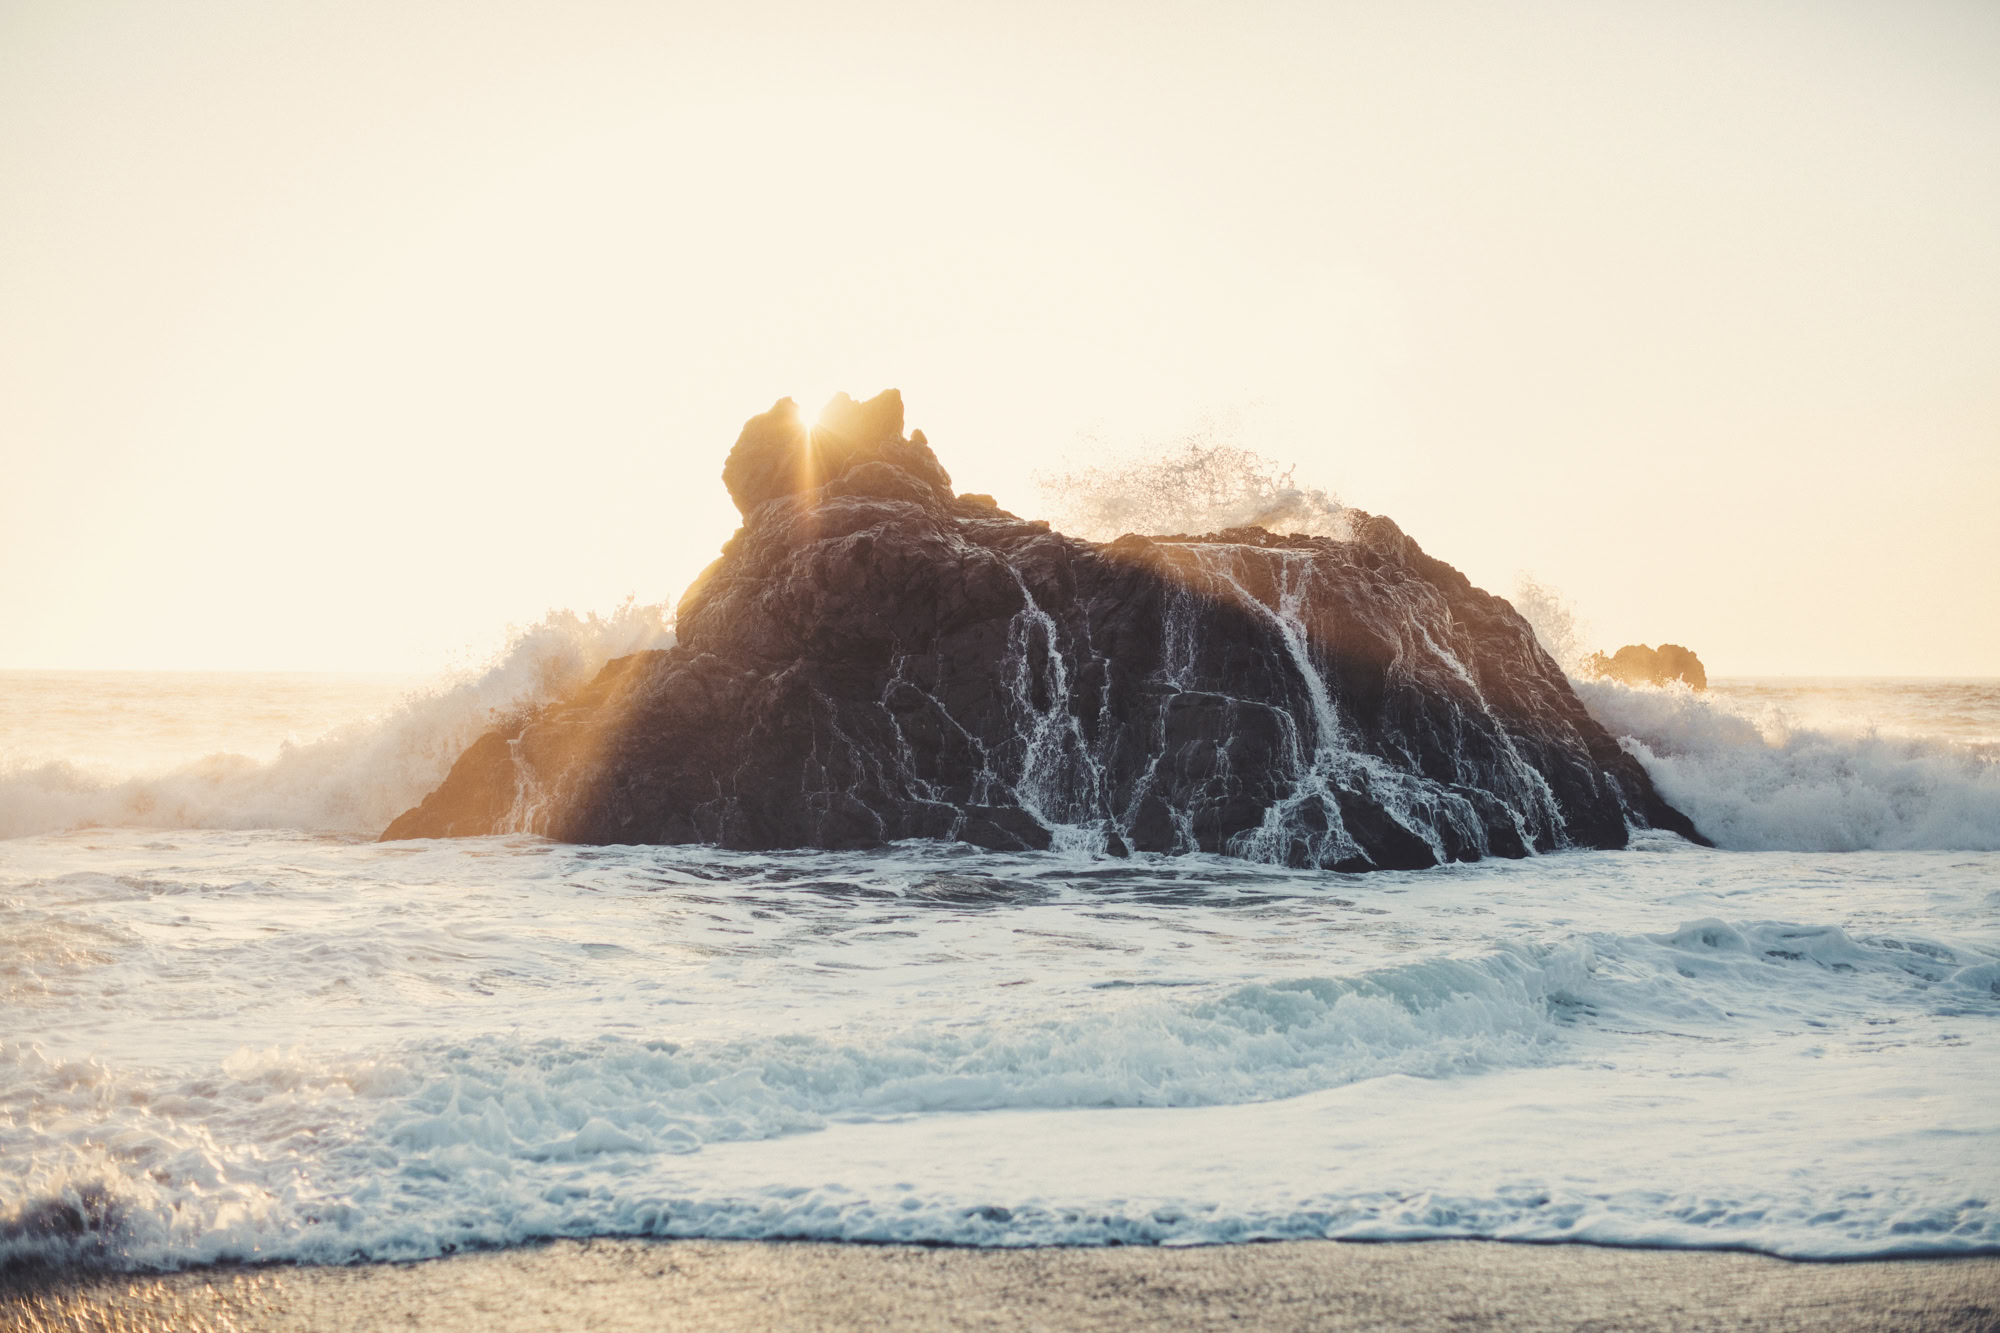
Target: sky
x,y
346,336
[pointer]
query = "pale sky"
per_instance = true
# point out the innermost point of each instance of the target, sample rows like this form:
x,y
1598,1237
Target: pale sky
x,y
342,336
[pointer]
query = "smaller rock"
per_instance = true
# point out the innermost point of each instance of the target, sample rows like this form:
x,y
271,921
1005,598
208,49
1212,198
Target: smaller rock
x,y
1637,664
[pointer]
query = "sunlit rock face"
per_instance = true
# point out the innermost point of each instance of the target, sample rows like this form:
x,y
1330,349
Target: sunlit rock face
x,y
874,658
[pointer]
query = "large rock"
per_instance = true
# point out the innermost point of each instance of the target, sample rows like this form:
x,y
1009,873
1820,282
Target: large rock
x,y
874,658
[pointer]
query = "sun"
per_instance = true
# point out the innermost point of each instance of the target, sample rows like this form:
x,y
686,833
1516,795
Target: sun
x,y
812,406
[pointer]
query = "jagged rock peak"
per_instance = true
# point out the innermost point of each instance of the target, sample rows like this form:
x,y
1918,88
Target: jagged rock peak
x,y
779,455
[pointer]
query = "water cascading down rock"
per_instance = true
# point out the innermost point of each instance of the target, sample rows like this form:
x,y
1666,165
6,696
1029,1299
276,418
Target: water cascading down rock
x,y
873,658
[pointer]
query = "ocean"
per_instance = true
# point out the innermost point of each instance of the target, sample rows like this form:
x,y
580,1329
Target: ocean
x,y
234,1027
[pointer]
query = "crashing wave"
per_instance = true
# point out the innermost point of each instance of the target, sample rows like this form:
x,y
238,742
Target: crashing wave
x,y
1770,783
356,777
1761,779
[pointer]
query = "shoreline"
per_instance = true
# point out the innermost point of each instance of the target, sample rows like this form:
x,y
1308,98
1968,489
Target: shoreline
x,y
741,1284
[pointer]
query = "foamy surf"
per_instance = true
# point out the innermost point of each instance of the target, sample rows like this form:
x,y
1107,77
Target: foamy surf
x,y
452,1045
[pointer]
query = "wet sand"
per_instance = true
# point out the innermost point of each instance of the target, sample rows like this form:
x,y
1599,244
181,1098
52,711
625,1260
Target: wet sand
x,y
630,1284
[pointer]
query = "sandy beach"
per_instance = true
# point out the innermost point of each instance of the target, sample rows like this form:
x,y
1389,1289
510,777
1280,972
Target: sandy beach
x,y
633,1284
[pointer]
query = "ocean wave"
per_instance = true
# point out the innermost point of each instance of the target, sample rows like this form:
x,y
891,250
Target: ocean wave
x,y
1763,782
352,780
286,1153
439,1145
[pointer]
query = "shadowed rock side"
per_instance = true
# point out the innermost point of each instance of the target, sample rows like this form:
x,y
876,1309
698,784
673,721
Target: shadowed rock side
x,y
873,658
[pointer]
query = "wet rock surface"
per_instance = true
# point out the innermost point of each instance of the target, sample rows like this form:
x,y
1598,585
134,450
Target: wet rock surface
x,y
874,658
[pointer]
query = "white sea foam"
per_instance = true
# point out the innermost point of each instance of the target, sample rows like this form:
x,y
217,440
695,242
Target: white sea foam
x,y
355,778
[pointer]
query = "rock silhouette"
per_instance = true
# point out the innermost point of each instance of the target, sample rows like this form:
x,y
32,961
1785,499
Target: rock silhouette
x,y
874,658
1637,664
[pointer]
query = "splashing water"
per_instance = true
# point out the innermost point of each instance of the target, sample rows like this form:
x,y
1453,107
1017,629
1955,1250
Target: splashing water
x,y
1203,484
1554,621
